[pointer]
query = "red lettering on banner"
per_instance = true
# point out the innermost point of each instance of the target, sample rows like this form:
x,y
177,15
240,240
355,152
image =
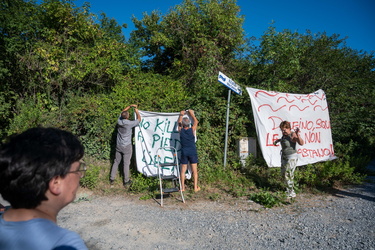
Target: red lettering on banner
x,y
323,124
303,125
316,153
269,142
312,137
311,125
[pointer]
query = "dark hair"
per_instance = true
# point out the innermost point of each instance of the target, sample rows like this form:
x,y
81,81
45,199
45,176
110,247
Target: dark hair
x,y
28,161
125,115
285,124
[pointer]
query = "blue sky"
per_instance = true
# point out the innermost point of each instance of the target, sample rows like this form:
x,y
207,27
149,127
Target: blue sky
x,y
354,19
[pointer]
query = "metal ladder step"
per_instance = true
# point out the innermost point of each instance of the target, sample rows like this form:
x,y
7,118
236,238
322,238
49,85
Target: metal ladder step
x,y
167,164
170,190
171,171
169,177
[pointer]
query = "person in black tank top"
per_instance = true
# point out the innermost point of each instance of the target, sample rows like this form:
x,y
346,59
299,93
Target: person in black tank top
x,y
188,149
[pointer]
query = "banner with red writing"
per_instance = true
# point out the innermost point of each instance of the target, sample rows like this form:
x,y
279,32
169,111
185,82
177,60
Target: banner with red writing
x,y
308,112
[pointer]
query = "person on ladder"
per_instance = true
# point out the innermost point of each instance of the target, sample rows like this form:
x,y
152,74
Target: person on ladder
x,y
188,149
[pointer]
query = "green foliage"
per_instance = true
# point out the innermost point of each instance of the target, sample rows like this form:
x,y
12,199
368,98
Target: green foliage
x,y
328,174
267,199
194,40
91,178
319,175
227,180
146,197
6,101
82,198
144,184
151,92
32,112
92,118
263,176
55,49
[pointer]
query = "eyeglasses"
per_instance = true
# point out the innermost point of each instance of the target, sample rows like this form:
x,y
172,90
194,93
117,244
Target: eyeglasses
x,y
81,170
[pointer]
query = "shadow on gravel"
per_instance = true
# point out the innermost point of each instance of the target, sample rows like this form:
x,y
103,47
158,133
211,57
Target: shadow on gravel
x,y
360,191
365,191
367,188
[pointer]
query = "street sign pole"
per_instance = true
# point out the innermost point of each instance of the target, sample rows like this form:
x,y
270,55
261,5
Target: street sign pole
x,y
229,83
226,131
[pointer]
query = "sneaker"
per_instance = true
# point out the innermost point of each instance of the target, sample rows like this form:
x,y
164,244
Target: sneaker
x,y
111,182
292,195
128,183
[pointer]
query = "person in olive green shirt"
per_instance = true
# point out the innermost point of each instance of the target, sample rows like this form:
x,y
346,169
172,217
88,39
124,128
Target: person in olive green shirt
x,y
289,155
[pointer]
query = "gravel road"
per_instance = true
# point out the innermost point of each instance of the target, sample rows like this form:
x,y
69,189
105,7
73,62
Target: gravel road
x,y
342,220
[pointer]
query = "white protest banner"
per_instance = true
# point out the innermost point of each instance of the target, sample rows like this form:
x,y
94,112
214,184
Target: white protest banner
x,y
308,112
156,130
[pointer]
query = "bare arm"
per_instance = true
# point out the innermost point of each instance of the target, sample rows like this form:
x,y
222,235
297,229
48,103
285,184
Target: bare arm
x,y
179,121
195,125
138,115
297,138
130,106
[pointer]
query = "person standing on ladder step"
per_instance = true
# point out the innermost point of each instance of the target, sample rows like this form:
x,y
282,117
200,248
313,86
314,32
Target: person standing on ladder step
x,y
124,147
188,147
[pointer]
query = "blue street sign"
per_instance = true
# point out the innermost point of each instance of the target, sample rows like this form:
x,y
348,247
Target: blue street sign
x,y
226,81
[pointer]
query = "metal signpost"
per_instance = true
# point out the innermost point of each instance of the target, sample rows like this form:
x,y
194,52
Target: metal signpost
x,y
226,81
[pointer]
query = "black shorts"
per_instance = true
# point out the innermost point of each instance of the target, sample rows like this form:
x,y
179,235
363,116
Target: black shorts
x,y
185,159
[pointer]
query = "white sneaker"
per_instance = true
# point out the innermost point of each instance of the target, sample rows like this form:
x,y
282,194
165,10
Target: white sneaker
x,y
292,195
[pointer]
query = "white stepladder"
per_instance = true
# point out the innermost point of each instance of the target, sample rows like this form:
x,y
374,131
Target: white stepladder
x,y
169,171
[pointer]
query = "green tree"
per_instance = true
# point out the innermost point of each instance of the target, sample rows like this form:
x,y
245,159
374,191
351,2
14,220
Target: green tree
x,y
54,51
193,42
17,26
194,39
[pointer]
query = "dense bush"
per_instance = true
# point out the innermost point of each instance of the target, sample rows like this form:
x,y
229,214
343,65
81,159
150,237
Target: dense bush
x,y
91,178
328,174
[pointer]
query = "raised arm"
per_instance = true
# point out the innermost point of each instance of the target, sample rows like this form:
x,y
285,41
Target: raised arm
x,y
130,106
179,121
195,124
138,115
297,138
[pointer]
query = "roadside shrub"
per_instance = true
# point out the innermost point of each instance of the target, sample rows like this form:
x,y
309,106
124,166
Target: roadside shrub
x,y
91,178
268,199
142,183
33,111
328,174
265,177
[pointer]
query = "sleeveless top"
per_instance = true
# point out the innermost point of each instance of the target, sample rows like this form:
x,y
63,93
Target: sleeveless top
x,y
187,140
288,147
